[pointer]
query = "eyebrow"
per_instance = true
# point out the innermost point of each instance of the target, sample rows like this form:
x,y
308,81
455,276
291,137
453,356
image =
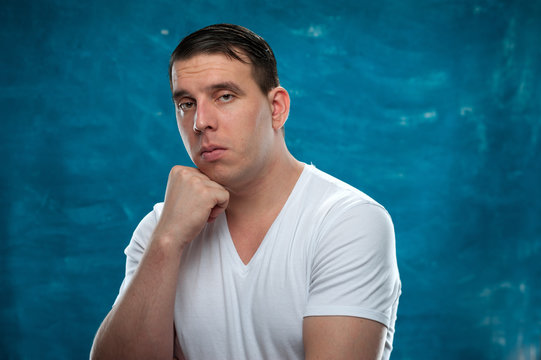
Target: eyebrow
x,y
227,85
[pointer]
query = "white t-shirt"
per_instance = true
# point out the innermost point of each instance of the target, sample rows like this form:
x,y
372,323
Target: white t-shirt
x,y
330,251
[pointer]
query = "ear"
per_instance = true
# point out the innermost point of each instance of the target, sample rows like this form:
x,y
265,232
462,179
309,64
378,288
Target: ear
x,y
279,101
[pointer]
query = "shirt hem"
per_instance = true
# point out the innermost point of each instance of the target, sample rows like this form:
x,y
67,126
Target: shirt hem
x,y
353,311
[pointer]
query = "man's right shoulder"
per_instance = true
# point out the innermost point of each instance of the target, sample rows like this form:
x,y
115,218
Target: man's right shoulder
x,y
154,215
157,209
148,223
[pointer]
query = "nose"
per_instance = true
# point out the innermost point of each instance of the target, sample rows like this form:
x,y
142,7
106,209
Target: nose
x,y
204,119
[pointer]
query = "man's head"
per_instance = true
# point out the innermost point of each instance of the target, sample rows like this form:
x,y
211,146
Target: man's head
x,y
230,109
236,42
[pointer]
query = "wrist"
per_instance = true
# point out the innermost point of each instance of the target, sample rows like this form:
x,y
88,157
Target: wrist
x,y
168,245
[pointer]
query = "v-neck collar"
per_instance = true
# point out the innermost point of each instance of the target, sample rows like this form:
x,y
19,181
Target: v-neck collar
x,y
237,262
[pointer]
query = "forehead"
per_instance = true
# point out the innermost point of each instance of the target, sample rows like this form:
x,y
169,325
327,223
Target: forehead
x,y
204,69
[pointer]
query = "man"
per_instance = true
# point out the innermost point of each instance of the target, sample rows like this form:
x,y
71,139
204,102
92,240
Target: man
x,y
253,254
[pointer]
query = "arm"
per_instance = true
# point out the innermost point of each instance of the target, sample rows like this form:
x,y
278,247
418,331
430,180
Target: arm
x,y
342,337
140,325
354,287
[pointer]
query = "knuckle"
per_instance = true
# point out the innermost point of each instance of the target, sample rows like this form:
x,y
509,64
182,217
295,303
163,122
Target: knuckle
x,y
204,191
175,170
195,181
180,171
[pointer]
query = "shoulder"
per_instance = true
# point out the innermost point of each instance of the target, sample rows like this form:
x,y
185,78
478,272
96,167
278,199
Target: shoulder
x,y
151,219
336,215
329,186
353,269
346,214
145,228
337,198
157,209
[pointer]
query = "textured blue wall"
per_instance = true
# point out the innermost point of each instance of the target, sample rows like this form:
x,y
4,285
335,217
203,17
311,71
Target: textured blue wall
x,y
433,107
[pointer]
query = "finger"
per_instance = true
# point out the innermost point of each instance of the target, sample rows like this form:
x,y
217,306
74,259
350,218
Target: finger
x,y
222,200
214,213
217,210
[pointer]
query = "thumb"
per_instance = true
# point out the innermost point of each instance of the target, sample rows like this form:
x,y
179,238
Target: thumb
x,y
217,210
220,206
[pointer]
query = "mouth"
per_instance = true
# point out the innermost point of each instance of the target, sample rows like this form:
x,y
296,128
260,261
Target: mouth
x,y
212,153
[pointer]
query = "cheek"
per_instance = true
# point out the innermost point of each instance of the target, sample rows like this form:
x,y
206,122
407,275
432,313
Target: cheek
x,y
185,134
256,136
184,125
262,124
179,126
256,121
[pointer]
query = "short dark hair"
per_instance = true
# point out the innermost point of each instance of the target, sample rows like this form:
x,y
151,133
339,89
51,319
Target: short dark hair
x,y
233,41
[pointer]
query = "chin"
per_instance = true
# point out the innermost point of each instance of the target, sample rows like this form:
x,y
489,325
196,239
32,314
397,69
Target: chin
x,y
217,174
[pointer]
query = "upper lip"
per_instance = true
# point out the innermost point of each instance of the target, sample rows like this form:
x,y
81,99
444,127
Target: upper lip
x,y
210,147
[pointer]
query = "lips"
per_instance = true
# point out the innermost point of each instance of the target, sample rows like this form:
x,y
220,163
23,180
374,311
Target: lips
x,y
212,152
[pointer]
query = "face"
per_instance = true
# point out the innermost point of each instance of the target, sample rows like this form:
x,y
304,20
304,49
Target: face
x,y
224,119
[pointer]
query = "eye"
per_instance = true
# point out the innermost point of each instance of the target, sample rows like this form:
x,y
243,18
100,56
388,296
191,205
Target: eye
x,y
226,97
185,105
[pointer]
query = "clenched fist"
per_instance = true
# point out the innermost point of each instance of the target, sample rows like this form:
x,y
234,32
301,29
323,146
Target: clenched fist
x,y
191,200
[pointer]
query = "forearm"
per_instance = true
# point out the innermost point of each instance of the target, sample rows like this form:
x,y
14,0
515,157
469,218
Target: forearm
x,y
140,326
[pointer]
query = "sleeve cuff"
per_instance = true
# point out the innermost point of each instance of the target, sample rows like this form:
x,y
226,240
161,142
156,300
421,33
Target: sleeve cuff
x,y
353,311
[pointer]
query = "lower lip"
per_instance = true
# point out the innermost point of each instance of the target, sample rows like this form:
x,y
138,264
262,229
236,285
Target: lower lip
x,y
212,155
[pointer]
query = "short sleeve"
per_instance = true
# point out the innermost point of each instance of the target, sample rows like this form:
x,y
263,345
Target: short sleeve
x,y
136,248
354,272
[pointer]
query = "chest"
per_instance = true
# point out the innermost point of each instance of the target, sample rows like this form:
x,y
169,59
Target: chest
x,y
241,305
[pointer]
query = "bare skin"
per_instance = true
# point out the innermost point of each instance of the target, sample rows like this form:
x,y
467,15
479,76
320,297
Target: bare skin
x,y
140,326
232,132
342,337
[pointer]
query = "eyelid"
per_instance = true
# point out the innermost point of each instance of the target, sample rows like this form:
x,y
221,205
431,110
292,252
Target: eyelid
x,y
221,94
183,101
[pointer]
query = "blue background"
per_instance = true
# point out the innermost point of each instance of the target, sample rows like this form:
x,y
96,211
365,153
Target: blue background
x,y
432,107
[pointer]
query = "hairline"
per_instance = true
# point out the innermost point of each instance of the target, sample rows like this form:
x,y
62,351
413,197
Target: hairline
x,y
236,54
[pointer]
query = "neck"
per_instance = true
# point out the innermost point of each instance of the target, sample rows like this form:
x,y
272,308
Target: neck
x,y
268,192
